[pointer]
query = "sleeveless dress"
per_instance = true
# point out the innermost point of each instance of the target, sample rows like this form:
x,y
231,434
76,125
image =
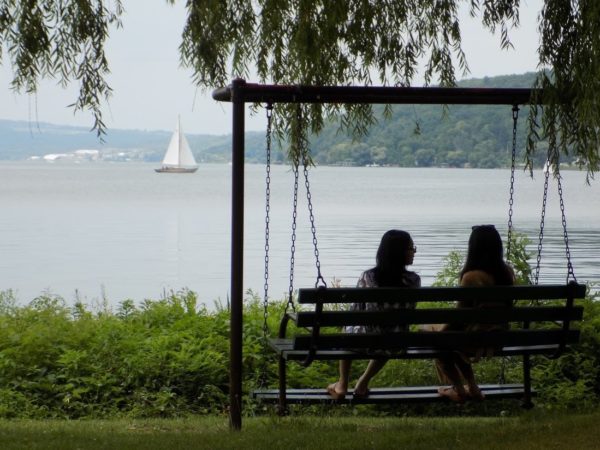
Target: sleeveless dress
x,y
367,280
479,278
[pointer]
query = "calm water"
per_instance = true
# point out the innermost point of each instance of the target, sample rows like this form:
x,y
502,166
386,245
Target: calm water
x,y
122,231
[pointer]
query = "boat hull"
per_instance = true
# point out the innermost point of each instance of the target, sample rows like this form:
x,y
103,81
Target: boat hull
x,y
176,170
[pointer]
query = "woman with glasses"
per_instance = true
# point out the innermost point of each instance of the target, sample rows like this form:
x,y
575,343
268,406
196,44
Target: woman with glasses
x,y
484,266
395,252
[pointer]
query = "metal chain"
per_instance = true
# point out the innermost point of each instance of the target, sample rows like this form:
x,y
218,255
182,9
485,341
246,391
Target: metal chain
x,y
515,116
267,219
542,223
513,158
570,272
290,303
313,228
263,372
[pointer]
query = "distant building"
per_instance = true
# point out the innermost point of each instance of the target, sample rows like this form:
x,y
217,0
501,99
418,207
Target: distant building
x,y
92,155
77,155
56,156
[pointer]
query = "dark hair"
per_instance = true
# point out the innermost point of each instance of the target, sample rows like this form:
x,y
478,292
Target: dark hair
x,y
485,253
391,258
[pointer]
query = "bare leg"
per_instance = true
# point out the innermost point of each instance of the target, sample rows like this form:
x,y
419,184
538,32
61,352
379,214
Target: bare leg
x,y
361,388
345,366
338,389
467,372
447,367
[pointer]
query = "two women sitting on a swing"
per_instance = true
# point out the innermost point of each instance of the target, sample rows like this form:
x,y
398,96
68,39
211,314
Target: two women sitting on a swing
x,y
484,266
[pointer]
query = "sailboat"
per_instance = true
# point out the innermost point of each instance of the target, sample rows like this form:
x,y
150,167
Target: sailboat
x,y
179,157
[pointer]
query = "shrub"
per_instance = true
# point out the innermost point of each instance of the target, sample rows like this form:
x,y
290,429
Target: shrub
x,y
169,357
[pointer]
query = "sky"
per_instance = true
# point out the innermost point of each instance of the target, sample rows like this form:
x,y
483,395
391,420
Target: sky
x,y
150,88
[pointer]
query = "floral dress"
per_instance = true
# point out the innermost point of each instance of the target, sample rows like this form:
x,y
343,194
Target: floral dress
x,y
367,280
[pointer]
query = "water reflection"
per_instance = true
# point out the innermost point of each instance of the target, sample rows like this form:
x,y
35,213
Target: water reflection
x,y
124,231
354,206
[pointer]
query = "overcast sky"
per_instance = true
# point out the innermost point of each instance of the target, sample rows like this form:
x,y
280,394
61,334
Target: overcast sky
x,y
151,89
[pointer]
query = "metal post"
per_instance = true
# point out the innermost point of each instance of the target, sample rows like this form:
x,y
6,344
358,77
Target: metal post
x,y
237,257
526,401
282,410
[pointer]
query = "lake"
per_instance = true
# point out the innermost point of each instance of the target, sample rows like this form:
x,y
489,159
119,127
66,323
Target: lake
x,y
118,231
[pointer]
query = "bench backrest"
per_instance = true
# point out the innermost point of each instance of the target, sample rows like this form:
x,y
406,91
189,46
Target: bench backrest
x,y
551,303
427,294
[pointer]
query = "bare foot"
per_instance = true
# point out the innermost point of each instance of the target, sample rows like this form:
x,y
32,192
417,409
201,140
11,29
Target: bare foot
x,y
474,393
335,392
451,393
360,392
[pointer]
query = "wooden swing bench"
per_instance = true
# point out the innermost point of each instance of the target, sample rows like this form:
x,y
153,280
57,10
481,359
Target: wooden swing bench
x,y
540,324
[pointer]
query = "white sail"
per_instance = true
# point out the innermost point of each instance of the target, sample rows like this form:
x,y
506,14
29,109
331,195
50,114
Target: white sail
x,y
172,156
186,158
179,156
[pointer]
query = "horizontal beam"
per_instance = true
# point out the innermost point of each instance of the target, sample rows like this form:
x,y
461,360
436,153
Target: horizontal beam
x,y
271,93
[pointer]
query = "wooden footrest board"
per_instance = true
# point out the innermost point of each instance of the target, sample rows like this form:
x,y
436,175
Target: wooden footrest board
x,y
410,394
285,348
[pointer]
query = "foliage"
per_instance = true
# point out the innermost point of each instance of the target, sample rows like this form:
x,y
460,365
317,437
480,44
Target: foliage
x,y
164,358
324,42
569,50
518,257
328,42
573,379
60,39
169,358
455,136
472,136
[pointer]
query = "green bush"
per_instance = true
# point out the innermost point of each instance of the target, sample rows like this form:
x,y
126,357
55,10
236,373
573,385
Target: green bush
x,y
165,358
169,358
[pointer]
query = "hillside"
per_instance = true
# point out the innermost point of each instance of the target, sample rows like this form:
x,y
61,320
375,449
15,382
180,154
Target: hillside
x,y
413,135
429,135
22,140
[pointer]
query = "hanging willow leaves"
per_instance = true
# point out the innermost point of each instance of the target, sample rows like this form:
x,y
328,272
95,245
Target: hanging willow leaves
x,y
325,42
361,42
570,51
63,40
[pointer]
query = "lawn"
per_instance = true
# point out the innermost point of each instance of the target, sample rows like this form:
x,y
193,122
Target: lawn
x,y
534,430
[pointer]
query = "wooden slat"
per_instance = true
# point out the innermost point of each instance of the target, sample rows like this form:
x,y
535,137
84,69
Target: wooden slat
x,y
329,355
446,339
408,394
439,315
493,293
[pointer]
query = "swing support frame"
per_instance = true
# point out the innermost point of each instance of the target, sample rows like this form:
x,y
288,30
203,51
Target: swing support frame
x,y
239,92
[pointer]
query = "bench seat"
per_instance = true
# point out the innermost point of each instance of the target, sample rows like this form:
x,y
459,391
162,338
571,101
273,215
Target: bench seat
x,y
408,394
530,320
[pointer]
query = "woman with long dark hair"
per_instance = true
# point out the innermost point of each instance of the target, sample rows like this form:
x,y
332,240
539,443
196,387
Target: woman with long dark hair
x,y
395,252
484,266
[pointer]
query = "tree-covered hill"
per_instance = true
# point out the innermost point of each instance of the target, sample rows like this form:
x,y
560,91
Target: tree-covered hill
x,y
21,140
434,135
412,136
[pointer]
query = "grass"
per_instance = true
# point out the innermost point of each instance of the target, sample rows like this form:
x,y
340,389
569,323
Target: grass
x,y
530,431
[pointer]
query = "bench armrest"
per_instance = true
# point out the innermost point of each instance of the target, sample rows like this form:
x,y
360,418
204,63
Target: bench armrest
x,y
284,323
